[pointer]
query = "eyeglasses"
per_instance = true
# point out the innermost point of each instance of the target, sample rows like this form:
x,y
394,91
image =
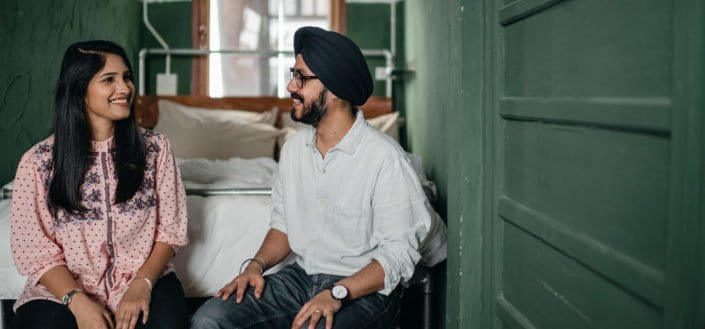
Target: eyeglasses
x,y
299,78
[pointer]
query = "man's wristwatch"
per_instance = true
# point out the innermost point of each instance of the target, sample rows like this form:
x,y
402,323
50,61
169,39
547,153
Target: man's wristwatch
x,y
341,293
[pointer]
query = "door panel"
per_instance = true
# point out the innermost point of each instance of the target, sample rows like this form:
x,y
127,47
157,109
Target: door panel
x,y
584,146
553,290
597,48
602,184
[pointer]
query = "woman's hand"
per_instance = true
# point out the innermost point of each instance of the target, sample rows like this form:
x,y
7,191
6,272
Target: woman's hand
x,y
321,305
135,300
90,314
252,276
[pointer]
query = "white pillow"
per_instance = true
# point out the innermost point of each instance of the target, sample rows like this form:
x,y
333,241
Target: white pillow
x,y
268,117
217,134
289,128
387,123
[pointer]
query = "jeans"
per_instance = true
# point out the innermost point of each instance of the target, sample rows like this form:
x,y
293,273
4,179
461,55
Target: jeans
x,y
285,292
167,310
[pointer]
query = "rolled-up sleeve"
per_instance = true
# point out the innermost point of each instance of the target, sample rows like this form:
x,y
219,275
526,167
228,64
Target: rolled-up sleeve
x,y
34,246
172,221
402,218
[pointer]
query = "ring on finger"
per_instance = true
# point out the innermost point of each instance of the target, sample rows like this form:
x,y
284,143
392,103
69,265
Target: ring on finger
x,y
317,311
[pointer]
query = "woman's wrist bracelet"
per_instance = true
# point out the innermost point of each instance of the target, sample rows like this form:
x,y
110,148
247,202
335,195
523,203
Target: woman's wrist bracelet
x,y
66,299
149,282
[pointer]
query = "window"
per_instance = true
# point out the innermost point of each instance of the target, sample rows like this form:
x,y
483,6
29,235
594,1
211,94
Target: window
x,y
254,42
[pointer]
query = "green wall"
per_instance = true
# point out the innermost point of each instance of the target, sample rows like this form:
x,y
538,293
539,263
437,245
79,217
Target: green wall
x,y
173,22
34,35
433,128
368,25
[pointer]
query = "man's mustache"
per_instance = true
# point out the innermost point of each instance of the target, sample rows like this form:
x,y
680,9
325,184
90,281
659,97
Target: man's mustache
x,y
297,97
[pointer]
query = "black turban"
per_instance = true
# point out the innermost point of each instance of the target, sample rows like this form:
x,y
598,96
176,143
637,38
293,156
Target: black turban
x,y
336,61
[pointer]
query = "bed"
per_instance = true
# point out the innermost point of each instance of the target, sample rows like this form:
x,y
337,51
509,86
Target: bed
x,y
226,149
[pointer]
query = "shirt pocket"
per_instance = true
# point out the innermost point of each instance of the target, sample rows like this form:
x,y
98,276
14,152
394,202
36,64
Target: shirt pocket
x,y
351,227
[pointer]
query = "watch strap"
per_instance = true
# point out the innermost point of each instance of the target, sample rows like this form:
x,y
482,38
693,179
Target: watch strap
x,y
346,301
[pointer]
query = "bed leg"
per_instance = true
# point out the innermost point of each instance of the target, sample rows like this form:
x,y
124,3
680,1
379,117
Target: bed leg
x,y
427,284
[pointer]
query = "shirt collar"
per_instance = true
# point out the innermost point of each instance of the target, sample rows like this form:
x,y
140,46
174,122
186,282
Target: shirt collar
x,y
351,139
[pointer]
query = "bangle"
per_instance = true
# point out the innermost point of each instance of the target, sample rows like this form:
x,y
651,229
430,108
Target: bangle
x,y
261,262
66,300
258,260
149,282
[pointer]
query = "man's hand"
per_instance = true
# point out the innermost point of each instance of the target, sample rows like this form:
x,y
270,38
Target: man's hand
x,y
90,314
252,276
321,305
135,300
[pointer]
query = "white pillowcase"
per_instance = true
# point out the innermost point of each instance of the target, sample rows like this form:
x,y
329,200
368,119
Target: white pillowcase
x,y
269,117
217,134
387,123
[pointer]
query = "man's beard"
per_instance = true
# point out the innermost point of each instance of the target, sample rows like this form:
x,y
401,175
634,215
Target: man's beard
x,y
312,113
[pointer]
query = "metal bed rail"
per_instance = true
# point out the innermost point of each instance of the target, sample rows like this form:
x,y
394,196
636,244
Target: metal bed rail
x,y
7,193
229,191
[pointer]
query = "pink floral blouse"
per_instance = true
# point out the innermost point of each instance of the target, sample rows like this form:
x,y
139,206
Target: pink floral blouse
x,y
105,245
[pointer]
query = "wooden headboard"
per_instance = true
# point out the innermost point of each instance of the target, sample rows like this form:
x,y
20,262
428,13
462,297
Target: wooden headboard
x,y
148,109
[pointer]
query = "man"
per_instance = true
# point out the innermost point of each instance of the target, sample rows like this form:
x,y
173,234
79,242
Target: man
x,y
347,203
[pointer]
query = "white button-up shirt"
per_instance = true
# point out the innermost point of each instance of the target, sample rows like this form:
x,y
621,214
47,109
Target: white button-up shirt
x,y
363,201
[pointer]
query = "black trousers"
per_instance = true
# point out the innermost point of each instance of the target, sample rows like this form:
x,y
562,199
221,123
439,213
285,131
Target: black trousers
x,y
167,310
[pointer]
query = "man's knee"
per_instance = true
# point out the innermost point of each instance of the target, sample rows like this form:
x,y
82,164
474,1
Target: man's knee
x,y
212,314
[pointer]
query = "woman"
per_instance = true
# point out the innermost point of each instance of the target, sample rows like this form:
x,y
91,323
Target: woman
x,y
98,208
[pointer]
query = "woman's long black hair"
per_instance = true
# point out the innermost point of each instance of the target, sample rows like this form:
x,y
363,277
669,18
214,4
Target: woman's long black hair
x,y
72,132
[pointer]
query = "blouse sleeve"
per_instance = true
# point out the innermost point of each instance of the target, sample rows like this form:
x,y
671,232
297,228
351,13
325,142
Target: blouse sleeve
x,y
171,199
35,249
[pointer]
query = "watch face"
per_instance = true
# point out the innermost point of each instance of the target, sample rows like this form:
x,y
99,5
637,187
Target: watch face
x,y
339,292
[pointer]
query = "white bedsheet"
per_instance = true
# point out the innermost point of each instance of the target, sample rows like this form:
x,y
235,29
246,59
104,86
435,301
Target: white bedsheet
x,y
11,282
223,230
230,173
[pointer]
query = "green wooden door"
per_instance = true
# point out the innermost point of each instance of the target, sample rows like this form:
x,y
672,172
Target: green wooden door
x,y
597,163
